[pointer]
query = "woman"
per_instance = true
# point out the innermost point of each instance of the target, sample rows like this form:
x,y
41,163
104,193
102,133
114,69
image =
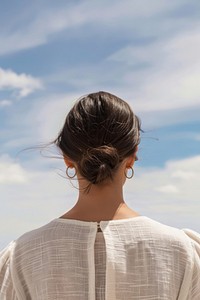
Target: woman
x,y
101,248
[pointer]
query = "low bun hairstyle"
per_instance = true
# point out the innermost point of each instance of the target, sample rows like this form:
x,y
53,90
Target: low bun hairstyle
x,y
99,163
100,131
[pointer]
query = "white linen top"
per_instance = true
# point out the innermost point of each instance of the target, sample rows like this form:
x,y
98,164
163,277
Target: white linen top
x,y
136,258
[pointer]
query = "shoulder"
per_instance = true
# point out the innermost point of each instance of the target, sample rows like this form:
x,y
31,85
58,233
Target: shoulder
x,y
5,254
194,238
29,245
27,238
184,239
36,237
192,235
6,281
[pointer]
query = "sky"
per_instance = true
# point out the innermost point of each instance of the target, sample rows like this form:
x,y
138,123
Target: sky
x,y
53,52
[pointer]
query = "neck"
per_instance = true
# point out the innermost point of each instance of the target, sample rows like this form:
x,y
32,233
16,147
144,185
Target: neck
x,y
103,202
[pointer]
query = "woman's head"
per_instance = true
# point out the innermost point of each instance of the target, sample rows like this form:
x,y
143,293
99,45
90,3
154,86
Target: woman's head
x,y
100,131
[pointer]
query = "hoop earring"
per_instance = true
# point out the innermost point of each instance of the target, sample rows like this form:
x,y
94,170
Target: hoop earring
x,y
68,173
131,174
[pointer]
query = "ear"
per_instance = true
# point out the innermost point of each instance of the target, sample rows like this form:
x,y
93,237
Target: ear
x,y
130,162
68,162
131,159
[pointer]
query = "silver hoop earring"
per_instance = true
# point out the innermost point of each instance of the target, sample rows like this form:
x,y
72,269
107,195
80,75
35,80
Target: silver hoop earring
x,y
68,173
131,174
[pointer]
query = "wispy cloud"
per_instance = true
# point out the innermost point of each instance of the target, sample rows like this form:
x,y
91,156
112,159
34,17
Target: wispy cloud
x,y
159,77
43,24
23,83
167,72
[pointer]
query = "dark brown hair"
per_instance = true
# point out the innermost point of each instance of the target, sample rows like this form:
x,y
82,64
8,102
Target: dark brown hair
x,y
100,131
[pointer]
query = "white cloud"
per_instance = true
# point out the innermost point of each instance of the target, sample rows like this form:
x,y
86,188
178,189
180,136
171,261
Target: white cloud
x,y
180,174
25,84
171,189
5,102
11,172
169,194
30,197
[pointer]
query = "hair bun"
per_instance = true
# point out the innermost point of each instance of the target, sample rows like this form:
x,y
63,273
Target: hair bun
x,y
98,164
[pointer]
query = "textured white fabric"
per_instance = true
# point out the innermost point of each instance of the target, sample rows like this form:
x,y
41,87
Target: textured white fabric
x,y
135,258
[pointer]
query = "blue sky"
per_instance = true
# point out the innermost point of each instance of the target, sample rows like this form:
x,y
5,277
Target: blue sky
x,y
146,52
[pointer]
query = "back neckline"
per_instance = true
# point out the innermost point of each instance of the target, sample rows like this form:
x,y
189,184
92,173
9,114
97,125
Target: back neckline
x,y
117,221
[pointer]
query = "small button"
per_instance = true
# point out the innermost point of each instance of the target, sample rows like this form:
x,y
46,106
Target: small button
x,y
98,227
